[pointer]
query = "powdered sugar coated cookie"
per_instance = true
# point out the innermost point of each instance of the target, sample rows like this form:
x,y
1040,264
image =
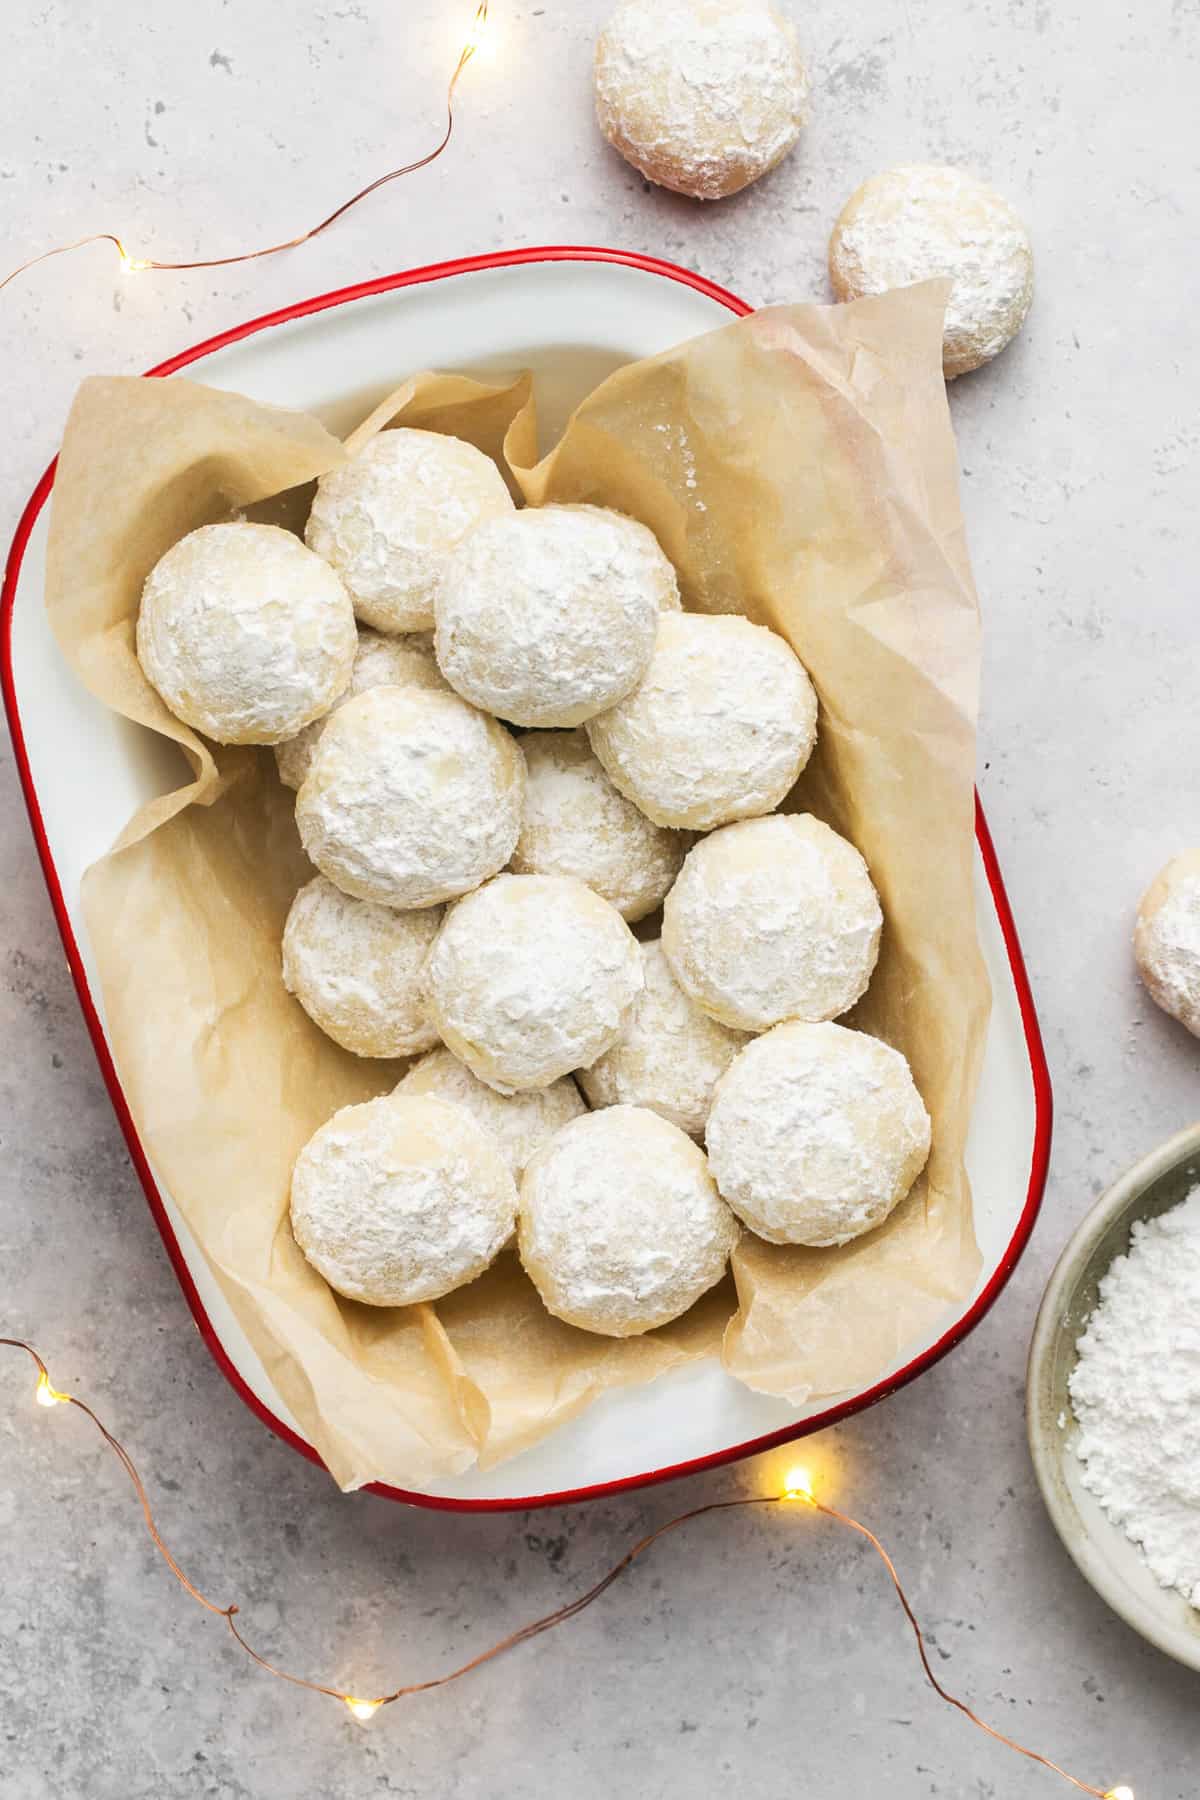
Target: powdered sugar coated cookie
x,y
388,518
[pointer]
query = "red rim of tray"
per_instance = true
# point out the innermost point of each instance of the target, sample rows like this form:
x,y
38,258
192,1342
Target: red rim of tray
x,y
1040,1074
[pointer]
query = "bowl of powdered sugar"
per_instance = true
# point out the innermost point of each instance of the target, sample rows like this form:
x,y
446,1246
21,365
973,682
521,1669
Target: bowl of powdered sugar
x,y
1113,1397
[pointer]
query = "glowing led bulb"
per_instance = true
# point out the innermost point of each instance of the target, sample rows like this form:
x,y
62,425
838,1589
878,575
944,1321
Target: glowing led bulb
x,y
1120,1793
131,264
45,1395
363,1709
478,27
797,1484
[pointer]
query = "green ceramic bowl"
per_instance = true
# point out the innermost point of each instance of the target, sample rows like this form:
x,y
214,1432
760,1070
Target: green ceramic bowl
x,y
1100,1549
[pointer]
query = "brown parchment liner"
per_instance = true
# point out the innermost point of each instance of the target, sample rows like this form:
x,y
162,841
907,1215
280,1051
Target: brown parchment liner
x,y
798,466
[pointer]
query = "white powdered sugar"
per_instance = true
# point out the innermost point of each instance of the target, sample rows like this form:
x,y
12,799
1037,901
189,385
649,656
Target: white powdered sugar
x,y
620,1225
380,662
816,1133
356,969
718,728
575,822
921,220
247,635
670,1055
1166,940
520,1123
1136,1394
413,797
549,616
531,977
773,919
388,519
702,96
401,1200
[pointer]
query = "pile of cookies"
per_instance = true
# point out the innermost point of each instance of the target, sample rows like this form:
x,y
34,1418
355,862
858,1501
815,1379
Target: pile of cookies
x,y
510,745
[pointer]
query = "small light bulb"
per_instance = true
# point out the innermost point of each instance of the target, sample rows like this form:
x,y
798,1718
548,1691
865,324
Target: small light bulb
x,y
45,1395
476,33
1120,1793
131,264
363,1709
798,1484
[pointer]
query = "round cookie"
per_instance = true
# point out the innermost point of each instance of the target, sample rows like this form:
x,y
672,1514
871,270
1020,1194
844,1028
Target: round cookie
x,y
773,919
388,518
719,727
576,823
548,616
620,1225
356,969
379,662
520,1123
401,1200
816,1133
702,96
413,797
531,977
247,635
1166,939
921,220
669,1057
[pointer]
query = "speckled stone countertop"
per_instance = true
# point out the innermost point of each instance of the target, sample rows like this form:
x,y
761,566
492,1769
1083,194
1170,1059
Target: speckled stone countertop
x,y
751,1655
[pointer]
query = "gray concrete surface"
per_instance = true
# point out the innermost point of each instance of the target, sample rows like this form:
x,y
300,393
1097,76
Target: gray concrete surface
x,y
754,1655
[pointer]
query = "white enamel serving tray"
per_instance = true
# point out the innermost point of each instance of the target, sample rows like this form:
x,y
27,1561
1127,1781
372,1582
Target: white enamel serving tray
x,y
571,315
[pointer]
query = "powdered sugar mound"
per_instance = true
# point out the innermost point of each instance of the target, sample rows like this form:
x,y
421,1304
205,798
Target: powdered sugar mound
x,y
520,1123
1166,940
702,96
1136,1394
576,823
401,1200
388,519
530,978
718,728
246,634
549,616
413,797
921,220
380,662
621,1227
773,919
356,969
670,1055
816,1133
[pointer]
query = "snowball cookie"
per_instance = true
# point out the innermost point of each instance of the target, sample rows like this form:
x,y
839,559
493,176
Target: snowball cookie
x,y
1166,940
549,615
388,519
670,1055
620,1226
380,662
773,919
356,968
576,823
413,797
816,1133
702,96
246,634
531,977
921,220
719,727
520,1123
401,1200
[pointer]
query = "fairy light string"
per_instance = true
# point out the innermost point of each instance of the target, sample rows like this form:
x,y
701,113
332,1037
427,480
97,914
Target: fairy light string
x,y
137,264
796,1491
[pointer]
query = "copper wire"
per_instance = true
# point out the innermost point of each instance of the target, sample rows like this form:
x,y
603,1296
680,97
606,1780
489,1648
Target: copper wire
x,y
303,237
570,1610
